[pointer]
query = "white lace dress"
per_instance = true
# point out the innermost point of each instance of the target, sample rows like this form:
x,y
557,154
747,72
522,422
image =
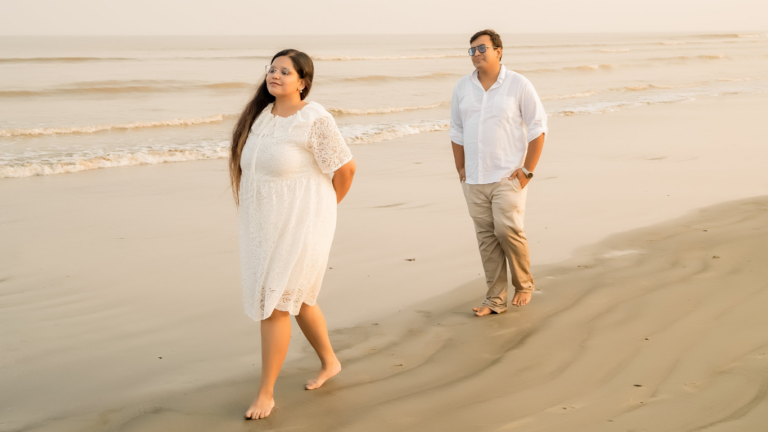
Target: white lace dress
x,y
288,208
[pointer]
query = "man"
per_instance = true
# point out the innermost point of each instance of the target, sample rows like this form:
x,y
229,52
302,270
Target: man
x,y
497,133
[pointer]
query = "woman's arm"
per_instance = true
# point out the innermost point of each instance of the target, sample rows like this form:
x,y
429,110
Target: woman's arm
x,y
342,179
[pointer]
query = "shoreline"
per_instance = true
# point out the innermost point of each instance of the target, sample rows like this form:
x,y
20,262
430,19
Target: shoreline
x,y
107,270
355,133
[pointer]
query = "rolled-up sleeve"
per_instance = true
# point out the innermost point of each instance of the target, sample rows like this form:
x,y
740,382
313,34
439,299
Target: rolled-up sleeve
x,y
534,116
457,127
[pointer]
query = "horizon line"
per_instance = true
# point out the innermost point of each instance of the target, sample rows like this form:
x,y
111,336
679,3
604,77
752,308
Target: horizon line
x,y
385,34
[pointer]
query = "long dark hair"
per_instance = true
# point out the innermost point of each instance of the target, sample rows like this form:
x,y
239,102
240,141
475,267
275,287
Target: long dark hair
x,y
303,65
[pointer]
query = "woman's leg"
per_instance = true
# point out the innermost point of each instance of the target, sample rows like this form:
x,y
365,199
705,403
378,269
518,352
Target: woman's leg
x,y
275,337
312,323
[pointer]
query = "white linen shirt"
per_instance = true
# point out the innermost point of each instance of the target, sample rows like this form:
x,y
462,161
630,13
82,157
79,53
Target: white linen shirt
x,y
495,126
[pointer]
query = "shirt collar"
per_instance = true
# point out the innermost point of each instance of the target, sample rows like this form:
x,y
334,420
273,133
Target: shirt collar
x,y
499,79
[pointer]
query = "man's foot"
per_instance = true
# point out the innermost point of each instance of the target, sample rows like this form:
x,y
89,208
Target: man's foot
x,y
324,375
482,311
260,408
521,298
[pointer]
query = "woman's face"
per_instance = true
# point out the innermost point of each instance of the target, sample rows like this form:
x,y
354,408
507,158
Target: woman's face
x,y
279,84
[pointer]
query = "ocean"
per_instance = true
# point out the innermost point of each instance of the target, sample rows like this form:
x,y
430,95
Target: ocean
x,y
70,104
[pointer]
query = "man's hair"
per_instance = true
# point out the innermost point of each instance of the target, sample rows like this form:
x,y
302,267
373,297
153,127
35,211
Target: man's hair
x,y
495,38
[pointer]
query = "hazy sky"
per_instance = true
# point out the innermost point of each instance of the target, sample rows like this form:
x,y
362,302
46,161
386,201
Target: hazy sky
x,y
281,17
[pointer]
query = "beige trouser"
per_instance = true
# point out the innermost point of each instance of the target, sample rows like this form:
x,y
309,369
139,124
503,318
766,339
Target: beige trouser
x,y
498,210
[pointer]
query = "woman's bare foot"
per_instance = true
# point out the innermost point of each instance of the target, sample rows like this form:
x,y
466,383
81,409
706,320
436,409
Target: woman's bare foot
x,y
324,375
521,298
260,408
482,311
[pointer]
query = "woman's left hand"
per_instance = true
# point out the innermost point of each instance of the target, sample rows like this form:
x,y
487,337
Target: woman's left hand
x,y
342,179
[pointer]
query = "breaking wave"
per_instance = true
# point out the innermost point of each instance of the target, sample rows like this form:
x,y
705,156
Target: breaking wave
x,y
374,133
387,110
570,96
60,59
103,128
606,107
405,57
590,67
120,59
242,57
42,131
595,67
697,57
732,35
734,79
382,78
49,164
110,160
644,87
133,86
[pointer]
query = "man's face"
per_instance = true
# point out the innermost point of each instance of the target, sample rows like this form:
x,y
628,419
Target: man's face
x,y
490,58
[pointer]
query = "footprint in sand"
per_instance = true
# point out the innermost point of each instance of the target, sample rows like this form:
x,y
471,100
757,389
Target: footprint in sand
x,y
692,386
562,408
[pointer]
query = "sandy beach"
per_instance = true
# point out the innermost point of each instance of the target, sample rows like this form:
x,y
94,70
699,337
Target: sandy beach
x,y
120,291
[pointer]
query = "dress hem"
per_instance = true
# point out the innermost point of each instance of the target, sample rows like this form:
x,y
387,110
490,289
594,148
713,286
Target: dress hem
x,y
253,316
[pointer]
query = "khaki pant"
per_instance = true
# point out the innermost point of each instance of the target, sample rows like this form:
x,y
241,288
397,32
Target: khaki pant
x,y
498,210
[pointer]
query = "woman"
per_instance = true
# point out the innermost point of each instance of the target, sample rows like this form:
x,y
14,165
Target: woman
x,y
283,150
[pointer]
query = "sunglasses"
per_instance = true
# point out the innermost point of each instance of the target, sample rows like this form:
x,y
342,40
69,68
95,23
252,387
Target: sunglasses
x,y
273,70
482,48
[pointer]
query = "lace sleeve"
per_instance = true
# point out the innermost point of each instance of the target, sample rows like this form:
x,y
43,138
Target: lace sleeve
x,y
328,146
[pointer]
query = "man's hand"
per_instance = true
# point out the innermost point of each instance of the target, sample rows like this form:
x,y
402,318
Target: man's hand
x,y
458,157
520,177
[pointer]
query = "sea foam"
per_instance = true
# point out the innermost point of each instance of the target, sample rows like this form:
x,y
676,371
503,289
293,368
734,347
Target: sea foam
x,y
375,78
401,57
374,133
129,87
570,96
385,110
107,127
49,164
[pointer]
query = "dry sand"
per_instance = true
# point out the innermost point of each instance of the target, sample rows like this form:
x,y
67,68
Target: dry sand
x,y
104,272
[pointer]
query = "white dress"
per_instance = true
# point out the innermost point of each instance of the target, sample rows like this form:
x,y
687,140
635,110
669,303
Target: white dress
x,y
288,208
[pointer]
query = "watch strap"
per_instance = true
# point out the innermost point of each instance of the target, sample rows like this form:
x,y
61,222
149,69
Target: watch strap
x,y
527,173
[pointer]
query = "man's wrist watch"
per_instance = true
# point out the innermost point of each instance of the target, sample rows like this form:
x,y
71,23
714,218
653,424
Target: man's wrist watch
x,y
528,174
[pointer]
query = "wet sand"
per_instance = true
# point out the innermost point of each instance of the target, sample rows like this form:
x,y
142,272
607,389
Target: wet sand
x,y
660,328
105,272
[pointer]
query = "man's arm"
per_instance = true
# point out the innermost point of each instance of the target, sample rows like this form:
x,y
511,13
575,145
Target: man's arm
x,y
456,133
458,157
535,119
535,148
